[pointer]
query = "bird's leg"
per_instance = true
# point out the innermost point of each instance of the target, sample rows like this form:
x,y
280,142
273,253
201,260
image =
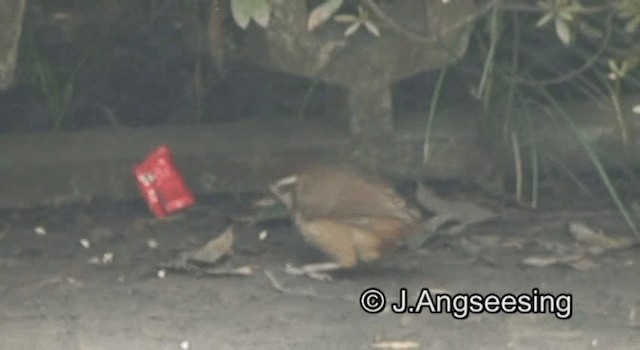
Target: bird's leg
x,y
316,271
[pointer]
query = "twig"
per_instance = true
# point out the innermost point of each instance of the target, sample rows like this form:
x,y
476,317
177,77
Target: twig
x,y
289,291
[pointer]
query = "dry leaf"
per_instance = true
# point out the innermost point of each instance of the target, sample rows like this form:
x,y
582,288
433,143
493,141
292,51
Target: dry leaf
x,y
596,239
465,213
431,228
232,271
583,264
540,261
215,248
210,253
578,261
394,345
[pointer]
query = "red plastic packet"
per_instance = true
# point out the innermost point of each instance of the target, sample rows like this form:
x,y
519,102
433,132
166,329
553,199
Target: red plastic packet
x,y
161,183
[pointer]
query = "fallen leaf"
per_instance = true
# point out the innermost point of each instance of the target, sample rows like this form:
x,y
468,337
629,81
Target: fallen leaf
x,y
394,345
583,264
246,270
465,213
431,227
215,249
596,239
192,261
540,261
578,261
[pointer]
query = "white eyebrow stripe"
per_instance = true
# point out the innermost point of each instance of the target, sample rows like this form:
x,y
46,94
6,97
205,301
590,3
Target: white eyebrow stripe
x,y
289,180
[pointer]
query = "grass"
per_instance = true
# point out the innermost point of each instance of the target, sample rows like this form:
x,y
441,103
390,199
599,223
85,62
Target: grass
x,y
512,85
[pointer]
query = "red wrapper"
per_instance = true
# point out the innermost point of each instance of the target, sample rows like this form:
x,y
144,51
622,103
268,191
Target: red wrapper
x,y
161,184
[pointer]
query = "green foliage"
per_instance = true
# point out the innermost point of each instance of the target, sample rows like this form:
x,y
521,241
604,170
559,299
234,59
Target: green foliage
x,y
55,81
563,13
322,13
629,10
243,11
541,56
355,22
57,87
534,56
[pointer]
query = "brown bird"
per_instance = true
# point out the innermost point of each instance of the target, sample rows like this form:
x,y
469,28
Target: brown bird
x,y
350,217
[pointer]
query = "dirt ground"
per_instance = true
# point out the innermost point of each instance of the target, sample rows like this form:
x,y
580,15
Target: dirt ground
x,y
53,298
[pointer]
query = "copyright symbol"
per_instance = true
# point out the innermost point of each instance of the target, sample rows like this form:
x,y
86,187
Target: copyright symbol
x,y
372,300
